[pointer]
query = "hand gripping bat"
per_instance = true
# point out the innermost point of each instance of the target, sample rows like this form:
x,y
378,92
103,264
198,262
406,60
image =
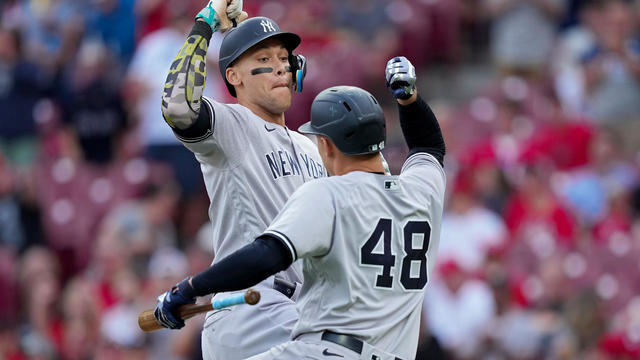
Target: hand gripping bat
x,y
147,321
228,12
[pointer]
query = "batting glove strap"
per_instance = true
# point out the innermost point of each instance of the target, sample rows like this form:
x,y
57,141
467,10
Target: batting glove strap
x,y
166,312
401,77
208,14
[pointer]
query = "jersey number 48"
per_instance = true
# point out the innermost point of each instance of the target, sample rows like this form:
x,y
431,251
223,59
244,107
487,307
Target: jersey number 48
x,y
387,260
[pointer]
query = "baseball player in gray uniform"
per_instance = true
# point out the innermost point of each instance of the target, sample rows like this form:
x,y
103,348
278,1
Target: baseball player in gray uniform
x,y
251,162
368,240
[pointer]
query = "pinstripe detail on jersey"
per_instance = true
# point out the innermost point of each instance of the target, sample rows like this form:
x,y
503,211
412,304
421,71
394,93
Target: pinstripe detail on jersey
x,y
194,140
429,156
209,131
282,237
424,155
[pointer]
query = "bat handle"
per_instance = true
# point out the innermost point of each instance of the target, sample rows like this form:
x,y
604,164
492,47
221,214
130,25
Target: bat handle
x,y
188,311
147,321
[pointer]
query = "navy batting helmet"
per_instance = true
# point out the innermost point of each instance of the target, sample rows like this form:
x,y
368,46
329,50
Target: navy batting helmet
x,y
247,34
350,117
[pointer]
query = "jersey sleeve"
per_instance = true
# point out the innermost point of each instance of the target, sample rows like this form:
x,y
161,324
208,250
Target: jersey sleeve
x,y
225,144
425,168
305,224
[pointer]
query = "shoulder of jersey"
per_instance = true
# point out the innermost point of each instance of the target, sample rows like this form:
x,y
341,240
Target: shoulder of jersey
x,y
322,184
214,102
332,183
303,139
428,158
239,108
236,108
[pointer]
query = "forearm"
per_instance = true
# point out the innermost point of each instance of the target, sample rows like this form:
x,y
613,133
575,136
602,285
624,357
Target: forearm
x,y
183,88
420,127
244,268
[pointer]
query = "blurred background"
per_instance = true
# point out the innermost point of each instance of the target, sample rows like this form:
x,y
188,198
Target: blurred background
x,y
101,209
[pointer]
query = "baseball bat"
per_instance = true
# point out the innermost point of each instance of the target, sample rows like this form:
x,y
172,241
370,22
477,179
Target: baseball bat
x,y
147,321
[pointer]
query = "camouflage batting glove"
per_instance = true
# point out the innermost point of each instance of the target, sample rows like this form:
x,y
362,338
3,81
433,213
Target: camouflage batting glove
x,y
401,77
166,312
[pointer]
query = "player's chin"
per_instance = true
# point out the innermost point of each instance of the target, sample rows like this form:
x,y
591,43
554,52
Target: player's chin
x,y
282,90
282,96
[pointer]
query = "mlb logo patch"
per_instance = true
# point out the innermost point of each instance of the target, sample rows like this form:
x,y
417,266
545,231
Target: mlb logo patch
x,y
391,185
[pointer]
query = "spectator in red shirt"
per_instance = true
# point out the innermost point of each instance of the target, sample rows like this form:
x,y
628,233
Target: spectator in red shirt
x,y
534,209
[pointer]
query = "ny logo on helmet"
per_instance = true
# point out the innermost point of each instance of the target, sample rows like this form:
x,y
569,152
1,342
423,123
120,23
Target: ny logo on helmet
x,y
267,26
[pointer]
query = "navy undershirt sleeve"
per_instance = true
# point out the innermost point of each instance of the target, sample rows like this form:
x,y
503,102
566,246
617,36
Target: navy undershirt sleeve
x,y
421,129
246,267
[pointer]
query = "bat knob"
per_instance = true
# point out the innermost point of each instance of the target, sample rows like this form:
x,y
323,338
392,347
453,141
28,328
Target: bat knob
x,y
252,296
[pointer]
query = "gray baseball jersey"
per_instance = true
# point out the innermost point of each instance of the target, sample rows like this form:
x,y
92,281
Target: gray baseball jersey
x,y
368,242
250,168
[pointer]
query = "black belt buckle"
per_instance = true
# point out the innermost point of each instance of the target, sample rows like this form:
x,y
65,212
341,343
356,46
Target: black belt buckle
x,y
347,341
284,286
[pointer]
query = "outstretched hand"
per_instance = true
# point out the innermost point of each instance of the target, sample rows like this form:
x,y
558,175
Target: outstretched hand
x,y
401,77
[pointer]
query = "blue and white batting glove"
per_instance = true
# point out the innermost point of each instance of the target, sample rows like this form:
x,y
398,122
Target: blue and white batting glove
x,y
401,77
166,312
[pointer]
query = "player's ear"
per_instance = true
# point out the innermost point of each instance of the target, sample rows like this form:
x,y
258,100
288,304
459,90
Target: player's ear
x,y
329,148
233,76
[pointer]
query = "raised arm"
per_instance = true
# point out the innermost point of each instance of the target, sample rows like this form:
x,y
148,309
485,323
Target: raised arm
x,y
419,125
182,96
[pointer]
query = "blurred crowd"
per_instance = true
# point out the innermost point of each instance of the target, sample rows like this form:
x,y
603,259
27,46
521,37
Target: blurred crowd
x,y
101,208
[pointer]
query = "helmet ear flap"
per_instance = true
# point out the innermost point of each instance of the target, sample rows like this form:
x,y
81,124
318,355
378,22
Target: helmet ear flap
x,y
298,65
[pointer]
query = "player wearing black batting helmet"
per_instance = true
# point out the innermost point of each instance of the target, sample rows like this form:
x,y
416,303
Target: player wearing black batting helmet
x,y
250,33
351,117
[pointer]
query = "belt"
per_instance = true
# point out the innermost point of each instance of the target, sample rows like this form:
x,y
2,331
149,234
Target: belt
x,y
284,286
347,341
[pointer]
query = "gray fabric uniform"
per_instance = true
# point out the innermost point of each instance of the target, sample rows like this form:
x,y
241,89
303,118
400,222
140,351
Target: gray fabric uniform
x,y
250,169
368,243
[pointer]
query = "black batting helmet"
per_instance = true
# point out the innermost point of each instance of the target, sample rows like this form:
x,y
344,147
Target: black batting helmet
x,y
247,34
350,117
